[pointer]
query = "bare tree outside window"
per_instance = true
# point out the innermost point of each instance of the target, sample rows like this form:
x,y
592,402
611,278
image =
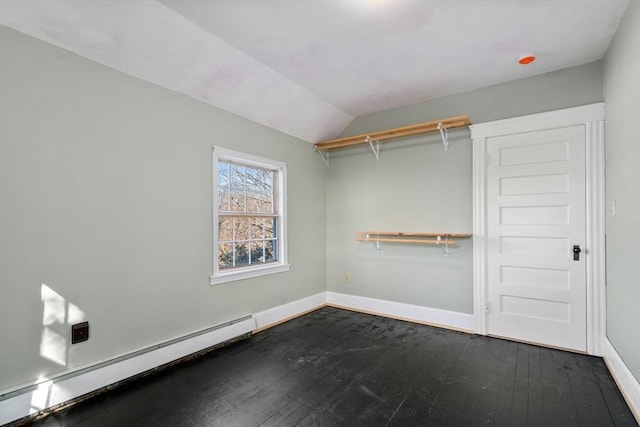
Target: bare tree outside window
x,y
247,221
249,216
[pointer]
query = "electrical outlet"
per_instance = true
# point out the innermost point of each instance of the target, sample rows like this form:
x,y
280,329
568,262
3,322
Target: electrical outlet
x,y
79,332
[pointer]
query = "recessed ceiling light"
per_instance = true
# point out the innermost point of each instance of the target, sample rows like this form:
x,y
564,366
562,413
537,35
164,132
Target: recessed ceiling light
x,y
527,59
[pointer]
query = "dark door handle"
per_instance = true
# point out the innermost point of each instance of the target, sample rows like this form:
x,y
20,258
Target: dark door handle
x,y
576,252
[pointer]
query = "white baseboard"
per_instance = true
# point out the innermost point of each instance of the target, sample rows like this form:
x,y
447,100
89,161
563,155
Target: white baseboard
x,y
396,310
276,315
73,385
69,387
409,312
627,382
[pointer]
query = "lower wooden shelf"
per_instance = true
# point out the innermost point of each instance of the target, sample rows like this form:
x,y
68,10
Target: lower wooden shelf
x,y
414,238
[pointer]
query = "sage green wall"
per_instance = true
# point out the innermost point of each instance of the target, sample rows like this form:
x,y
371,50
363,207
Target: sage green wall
x,y
417,186
105,212
622,108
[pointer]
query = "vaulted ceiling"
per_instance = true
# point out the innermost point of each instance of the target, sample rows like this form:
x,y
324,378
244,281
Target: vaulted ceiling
x,y
308,67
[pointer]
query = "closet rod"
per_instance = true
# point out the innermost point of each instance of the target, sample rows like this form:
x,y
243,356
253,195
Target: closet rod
x,y
451,122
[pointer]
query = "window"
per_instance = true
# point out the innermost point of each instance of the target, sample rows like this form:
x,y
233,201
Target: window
x,y
249,224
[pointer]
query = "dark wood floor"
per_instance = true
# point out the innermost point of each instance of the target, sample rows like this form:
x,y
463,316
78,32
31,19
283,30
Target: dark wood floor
x,y
338,368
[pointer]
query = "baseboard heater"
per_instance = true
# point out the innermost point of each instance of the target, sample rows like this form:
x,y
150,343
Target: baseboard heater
x,y
73,386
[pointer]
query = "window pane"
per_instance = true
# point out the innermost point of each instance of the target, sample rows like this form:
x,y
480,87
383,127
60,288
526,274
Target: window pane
x,y
237,184
257,228
266,204
246,240
253,202
267,192
270,251
223,186
260,190
257,252
223,199
237,202
244,188
241,228
253,180
269,228
225,255
267,182
242,254
225,229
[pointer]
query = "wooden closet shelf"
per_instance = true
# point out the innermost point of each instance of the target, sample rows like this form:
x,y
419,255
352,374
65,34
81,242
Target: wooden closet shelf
x,y
426,127
415,238
413,234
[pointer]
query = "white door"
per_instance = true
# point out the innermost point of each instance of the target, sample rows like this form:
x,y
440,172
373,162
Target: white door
x,y
536,291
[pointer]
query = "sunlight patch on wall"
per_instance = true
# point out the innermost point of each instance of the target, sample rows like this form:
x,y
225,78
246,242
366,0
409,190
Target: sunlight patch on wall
x,y
54,307
53,346
57,316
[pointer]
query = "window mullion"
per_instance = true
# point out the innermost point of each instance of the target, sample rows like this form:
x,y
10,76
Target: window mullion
x,y
228,185
249,241
233,242
244,188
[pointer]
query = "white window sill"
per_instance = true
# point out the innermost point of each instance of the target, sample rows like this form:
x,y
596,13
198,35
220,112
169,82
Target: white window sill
x,y
248,273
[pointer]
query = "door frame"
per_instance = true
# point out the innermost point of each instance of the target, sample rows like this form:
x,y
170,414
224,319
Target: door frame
x,y
592,117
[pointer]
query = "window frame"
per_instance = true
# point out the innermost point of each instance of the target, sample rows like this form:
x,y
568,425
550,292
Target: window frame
x,y
219,276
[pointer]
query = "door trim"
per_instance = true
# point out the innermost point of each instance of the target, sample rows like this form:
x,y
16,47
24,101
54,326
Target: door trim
x,y
592,117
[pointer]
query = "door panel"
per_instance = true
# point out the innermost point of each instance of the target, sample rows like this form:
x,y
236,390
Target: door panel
x,y
535,214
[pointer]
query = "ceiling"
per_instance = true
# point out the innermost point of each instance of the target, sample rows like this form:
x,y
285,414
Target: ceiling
x,y
308,67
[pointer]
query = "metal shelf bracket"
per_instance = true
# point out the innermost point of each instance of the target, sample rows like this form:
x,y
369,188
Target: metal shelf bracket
x,y
445,247
374,148
325,155
444,134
